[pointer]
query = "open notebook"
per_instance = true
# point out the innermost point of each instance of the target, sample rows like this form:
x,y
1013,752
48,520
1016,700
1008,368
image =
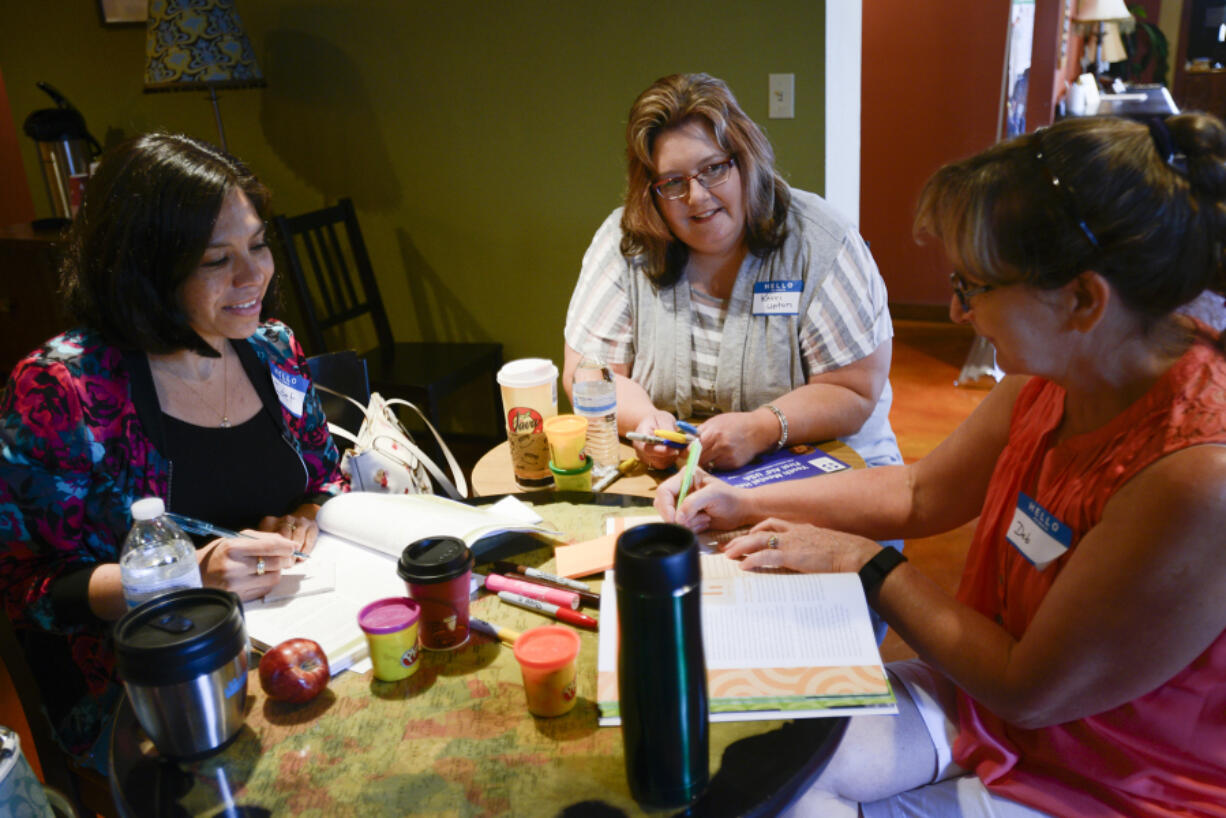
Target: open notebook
x,y
354,563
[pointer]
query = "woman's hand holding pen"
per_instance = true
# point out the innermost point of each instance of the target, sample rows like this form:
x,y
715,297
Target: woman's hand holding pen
x,y
299,526
249,565
656,455
710,503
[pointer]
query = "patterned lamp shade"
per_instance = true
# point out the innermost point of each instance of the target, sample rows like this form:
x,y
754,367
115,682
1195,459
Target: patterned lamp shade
x,y
191,45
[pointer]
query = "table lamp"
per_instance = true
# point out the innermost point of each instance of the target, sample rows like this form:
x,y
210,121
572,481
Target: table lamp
x,y
198,45
1095,15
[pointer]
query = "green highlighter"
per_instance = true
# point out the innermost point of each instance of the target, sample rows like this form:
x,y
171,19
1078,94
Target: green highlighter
x,y
687,477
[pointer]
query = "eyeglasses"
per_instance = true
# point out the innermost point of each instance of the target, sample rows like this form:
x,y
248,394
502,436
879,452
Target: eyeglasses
x,y
965,293
1068,196
678,187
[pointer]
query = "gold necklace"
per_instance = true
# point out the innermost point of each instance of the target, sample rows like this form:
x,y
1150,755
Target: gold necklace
x,y
225,390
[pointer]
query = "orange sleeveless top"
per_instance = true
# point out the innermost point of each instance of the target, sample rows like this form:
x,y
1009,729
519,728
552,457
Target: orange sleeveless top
x,y
1162,754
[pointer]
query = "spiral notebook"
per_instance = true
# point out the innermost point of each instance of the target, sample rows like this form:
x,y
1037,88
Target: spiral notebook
x,y
777,645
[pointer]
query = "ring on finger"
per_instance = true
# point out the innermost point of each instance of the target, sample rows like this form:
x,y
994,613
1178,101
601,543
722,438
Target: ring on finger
x,y
772,542
259,567
710,465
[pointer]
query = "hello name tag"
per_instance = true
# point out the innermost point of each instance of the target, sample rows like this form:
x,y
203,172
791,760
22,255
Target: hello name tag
x,y
777,297
291,389
1037,533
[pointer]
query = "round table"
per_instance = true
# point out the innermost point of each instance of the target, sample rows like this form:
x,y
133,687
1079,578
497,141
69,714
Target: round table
x,y
454,736
493,473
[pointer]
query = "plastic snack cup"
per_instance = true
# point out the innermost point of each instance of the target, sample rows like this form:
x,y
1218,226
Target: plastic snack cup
x,y
390,626
546,657
579,479
529,397
436,571
567,435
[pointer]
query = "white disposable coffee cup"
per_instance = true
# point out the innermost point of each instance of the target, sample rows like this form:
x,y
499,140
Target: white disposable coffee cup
x,y
529,396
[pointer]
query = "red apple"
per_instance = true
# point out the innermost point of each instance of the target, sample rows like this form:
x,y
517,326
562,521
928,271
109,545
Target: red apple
x,y
294,671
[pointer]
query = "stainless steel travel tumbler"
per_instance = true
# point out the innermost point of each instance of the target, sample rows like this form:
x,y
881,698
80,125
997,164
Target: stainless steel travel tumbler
x,y
662,676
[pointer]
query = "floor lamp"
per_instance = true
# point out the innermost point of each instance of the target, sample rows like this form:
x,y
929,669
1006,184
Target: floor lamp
x,y
198,45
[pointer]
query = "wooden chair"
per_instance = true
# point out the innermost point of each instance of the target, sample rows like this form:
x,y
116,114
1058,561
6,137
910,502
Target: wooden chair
x,y
335,283
342,372
87,790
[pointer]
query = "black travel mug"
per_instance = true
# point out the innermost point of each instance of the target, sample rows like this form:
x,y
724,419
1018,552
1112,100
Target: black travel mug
x,y
661,670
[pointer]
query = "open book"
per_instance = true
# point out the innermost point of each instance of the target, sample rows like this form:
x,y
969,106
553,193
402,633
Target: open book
x,y
777,645
360,540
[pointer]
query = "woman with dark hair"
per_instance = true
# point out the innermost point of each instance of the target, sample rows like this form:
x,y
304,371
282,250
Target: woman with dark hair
x,y
1081,667
170,387
718,291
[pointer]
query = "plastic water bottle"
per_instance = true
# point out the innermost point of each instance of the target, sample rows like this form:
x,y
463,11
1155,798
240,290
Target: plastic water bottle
x,y
157,556
595,398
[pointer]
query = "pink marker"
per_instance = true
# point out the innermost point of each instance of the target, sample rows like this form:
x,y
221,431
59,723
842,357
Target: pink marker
x,y
554,596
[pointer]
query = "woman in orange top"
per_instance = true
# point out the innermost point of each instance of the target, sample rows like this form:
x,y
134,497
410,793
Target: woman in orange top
x,y
1081,668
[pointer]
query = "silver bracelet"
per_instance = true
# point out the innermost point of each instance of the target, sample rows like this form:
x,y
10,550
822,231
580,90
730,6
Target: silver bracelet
x,y
783,426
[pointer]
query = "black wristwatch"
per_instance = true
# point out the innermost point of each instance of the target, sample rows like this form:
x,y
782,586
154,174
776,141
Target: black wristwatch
x,y
875,570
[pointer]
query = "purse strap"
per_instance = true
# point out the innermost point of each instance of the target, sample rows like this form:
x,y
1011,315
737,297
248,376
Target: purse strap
x,y
457,490
434,470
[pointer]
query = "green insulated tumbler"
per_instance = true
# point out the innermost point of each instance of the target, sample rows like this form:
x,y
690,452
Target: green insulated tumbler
x,y
661,671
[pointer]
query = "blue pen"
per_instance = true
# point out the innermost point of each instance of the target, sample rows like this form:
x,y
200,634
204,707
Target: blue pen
x,y
688,428
202,528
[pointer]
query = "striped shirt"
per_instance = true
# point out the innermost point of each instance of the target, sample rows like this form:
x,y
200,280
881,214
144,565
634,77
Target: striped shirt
x,y
842,325
707,315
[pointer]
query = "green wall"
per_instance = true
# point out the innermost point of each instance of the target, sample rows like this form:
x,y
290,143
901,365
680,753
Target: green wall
x,y
481,141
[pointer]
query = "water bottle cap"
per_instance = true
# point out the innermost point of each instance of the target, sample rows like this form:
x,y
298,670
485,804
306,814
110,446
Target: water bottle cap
x,y
657,558
148,508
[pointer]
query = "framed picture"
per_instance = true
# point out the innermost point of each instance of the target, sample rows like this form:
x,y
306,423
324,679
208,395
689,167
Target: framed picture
x,y
123,12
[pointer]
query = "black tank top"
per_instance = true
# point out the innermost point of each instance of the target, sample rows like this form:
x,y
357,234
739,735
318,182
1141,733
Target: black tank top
x,y
232,477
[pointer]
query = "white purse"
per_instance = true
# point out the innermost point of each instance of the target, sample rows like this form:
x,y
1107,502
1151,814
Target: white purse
x,y
383,458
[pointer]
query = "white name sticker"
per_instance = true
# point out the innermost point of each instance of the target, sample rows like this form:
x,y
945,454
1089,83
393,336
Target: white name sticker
x,y
777,297
1037,533
291,389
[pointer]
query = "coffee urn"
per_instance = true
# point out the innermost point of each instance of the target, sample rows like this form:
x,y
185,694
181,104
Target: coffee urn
x,y
65,148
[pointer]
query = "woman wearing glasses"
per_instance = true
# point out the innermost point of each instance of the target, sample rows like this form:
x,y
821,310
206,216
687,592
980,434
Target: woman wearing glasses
x,y
1081,667
719,292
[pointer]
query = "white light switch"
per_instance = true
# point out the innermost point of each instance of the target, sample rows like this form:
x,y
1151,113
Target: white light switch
x,y
782,96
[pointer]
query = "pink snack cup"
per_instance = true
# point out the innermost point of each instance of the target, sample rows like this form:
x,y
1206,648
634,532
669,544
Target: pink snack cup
x,y
390,626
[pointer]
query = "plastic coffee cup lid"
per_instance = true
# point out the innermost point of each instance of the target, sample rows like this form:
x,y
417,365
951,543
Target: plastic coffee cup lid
x,y
434,559
549,647
527,372
388,615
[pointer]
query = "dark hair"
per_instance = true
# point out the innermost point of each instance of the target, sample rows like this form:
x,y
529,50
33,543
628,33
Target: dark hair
x,y
669,103
1094,193
148,214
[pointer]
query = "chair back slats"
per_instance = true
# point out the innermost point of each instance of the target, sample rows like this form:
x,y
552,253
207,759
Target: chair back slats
x,y
336,284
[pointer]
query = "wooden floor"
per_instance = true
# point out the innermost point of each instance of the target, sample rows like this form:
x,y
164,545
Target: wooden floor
x,y
927,407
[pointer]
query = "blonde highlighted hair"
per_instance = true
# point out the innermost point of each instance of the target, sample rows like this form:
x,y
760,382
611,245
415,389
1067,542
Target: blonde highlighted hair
x,y
669,103
1143,206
